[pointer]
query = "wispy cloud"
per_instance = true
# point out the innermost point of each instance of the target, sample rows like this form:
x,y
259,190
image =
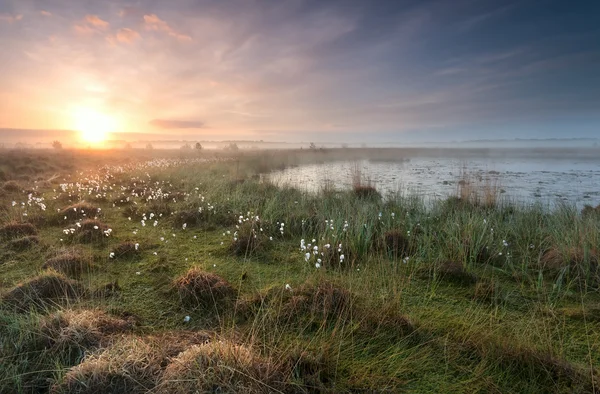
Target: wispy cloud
x,y
45,13
177,124
124,35
153,22
91,24
94,20
10,18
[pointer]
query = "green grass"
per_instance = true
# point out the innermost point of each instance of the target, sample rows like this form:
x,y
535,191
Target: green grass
x,y
527,320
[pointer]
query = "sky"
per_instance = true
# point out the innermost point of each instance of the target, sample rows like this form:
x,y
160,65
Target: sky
x,y
341,71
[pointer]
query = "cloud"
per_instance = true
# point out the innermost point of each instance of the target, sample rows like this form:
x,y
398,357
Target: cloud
x,y
177,124
45,13
125,36
8,18
95,21
91,24
153,22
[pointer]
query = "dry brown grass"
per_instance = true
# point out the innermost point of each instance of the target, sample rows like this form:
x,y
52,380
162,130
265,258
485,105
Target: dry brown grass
x,y
221,366
43,291
577,260
590,211
201,288
129,364
479,191
15,230
82,329
69,262
363,188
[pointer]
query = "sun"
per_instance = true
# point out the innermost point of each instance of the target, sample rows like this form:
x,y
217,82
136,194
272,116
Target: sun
x,y
93,125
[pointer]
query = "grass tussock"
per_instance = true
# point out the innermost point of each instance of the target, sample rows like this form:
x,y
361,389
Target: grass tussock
x,y
91,231
129,364
361,187
24,243
534,364
16,230
324,301
574,263
397,244
205,289
71,263
42,292
248,241
11,187
127,250
456,273
221,366
81,210
82,330
590,211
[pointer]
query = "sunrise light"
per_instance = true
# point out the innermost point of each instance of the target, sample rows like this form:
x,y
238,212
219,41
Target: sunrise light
x,y
93,125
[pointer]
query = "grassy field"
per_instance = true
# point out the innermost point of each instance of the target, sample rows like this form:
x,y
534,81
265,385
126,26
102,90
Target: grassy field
x,y
171,272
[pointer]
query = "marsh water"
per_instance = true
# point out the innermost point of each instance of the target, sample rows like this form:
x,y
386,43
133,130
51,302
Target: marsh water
x,y
575,181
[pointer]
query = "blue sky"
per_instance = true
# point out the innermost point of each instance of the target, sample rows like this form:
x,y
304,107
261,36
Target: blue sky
x,y
302,70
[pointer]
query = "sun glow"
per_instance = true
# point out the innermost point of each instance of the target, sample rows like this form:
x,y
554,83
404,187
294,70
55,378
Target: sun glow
x,y
94,126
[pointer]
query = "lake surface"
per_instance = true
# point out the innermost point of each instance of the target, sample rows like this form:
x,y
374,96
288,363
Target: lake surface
x,y
520,180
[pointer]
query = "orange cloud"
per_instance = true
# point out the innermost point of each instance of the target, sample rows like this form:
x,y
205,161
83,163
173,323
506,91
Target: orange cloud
x,y
90,25
153,22
45,13
95,21
8,18
124,35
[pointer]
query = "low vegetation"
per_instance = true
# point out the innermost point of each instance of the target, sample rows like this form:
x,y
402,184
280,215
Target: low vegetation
x,y
184,272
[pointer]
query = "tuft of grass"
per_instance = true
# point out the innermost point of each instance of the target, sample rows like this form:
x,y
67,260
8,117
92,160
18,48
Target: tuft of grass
x,y
127,250
15,230
69,262
221,366
11,187
75,332
81,210
131,365
397,244
455,272
201,288
321,302
43,291
91,231
23,243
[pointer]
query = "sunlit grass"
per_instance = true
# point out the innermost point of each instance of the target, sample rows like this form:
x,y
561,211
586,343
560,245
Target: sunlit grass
x,y
454,296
